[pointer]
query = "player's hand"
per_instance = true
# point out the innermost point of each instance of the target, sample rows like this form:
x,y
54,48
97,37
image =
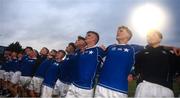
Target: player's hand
x,y
103,47
176,51
130,78
83,49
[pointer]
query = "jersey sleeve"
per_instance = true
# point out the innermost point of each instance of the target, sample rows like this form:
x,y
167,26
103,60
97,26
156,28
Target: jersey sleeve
x,y
101,55
137,48
132,72
35,66
3,66
6,66
137,65
178,65
101,52
46,64
175,63
178,59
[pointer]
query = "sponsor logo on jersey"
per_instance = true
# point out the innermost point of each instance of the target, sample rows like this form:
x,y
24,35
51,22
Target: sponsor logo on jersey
x,y
146,53
164,52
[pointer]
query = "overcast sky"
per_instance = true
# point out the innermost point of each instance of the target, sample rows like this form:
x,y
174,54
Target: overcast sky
x,y
55,23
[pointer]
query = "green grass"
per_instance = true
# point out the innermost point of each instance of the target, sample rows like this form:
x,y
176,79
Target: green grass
x,y
131,88
176,88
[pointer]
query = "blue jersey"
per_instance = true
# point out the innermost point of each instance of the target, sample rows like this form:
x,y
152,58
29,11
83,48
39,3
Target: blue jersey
x,y
65,70
74,68
42,58
15,65
27,66
67,74
24,57
11,65
6,66
137,48
117,66
87,66
43,67
52,74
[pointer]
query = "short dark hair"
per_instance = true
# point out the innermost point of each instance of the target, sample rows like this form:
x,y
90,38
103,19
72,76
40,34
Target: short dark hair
x,y
54,50
15,47
97,35
46,49
37,53
81,38
62,51
28,47
73,45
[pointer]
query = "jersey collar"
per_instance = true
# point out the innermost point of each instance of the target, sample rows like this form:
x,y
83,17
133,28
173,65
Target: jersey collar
x,y
92,47
120,44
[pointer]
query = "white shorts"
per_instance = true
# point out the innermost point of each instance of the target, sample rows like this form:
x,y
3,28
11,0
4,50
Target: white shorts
x,y
11,74
16,77
25,81
75,92
35,84
148,89
1,74
6,76
102,92
46,91
60,88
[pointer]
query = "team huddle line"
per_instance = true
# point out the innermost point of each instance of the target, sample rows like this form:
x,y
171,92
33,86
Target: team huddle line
x,y
86,70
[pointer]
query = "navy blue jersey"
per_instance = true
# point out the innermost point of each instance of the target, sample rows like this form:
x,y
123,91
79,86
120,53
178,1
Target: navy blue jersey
x,y
87,66
74,68
68,70
15,65
27,66
24,57
6,65
52,74
3,65
11,65
39,61
42,58
117,66
65,70
137,48
43,67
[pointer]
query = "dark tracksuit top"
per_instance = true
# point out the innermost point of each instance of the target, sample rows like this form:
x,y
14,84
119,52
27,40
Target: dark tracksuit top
x,y
157,65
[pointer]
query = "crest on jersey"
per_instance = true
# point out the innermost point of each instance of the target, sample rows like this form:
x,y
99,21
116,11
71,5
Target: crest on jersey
x,y
91,52
113,49
57,64
146,53
164,52
126,50
120,49
30,60
67,58
75,54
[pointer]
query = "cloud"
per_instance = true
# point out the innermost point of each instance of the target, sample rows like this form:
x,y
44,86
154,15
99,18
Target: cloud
x,y
55,23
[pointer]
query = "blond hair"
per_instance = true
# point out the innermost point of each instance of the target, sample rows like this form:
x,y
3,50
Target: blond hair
x,y
127,29
157,32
